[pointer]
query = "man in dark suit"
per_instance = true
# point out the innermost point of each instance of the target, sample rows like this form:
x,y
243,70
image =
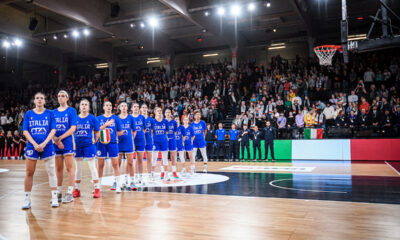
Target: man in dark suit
x,y
269,135
256,136
245,141
210,141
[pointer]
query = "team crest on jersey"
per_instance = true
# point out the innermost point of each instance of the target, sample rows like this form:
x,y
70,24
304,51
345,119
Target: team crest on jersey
x,y
98,153
38,130
29,152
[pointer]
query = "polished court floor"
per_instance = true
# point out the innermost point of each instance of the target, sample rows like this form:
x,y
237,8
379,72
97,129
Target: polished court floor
x,y
246,200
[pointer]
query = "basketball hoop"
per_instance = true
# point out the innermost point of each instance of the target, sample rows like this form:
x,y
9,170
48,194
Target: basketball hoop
x,y
325,53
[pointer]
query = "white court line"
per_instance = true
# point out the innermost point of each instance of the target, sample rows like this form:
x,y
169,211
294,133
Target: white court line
x,y
394,169
299,189
79,235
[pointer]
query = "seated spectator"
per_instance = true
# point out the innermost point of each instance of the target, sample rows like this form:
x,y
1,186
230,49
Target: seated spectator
x,y
309,119
341,120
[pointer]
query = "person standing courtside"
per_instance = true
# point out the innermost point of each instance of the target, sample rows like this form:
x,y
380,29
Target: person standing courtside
x,y
210,141
233,143
256,136
220,135
245,141
269,135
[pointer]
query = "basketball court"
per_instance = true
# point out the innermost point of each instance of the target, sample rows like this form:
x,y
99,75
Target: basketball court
x,y
282,200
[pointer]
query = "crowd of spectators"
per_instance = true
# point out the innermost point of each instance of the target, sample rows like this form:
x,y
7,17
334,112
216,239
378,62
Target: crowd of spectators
x,y
292,95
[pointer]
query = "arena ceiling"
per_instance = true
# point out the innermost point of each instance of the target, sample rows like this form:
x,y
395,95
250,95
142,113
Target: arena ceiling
x,y
181,24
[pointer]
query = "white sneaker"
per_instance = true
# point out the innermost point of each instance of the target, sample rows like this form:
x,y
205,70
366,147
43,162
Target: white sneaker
x,y
183,172
54,203
26,204
118,190
205,169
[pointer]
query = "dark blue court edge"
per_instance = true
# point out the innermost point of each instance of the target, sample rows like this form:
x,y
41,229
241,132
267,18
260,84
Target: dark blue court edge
x,y
369,189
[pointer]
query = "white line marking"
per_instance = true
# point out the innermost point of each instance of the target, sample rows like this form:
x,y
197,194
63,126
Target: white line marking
x,y
298,189
79,235
394,169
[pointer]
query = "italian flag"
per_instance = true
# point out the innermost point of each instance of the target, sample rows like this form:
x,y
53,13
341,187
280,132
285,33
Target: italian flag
x,y
313,133
105,136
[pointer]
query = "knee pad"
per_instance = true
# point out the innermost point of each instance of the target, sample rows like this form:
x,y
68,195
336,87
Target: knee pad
x,y
204,154
93,169
182,156
51,172
164,156
78,170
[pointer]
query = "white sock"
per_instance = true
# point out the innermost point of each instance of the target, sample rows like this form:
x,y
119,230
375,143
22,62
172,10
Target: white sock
x,y
132,179
173,168
70,189
54,194
77,186
97,185
162,169
126,178
193,167
118,180
59,188
28,195
100,180
205,166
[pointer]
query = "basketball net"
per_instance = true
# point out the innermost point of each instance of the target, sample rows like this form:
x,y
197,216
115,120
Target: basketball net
x,y
325,53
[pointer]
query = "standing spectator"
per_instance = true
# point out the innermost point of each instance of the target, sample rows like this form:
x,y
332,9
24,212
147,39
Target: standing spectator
x,y
364,105
233,143
369,76
9,143
245,141
387,123
329,114
233,102
281,125
309,118
269,135
17,144
220,135
2,144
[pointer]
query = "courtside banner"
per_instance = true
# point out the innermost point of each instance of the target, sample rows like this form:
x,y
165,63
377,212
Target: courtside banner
x,y
329,149
375,149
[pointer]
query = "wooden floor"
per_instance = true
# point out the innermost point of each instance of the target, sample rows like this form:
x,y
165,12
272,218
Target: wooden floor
x,y
150,215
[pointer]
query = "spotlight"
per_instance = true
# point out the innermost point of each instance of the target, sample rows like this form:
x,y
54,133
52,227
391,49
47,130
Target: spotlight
x,y
86,32
251,7
268,3
45,39
142,25
18,42
153,22
6,44
204,30
206,13
132,25
65,35
75,34
221,11
274,29
235,10
55,37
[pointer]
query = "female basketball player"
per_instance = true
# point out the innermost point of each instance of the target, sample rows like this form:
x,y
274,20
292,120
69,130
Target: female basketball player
x,y
148,123
188,137
140,141
113,123
125,145
160,141
172,126
39,128
179,144
200,130
64,144
86,135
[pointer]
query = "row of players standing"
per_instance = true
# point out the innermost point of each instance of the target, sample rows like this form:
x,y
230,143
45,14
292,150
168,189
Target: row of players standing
x,y
60,136
241,138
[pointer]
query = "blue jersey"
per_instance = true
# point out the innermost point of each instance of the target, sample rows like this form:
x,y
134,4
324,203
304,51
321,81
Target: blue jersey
x,y
160,130
64,121
220,133
127,125
39,126
139,123
172,127
179,135
149,122
233,134
85,131
188,133
114,127
199,129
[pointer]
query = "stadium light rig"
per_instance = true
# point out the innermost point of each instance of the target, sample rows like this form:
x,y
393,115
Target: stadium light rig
x,y
251,7
153,22
221,11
